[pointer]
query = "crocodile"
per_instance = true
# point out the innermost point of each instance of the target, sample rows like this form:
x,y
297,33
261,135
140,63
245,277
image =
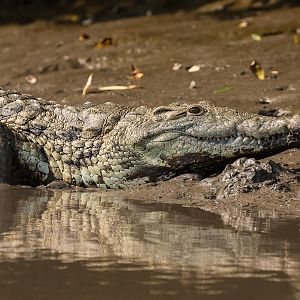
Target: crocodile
x,y
116,146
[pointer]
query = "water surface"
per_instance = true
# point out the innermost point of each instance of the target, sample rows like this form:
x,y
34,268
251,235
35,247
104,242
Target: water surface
x,y
87,245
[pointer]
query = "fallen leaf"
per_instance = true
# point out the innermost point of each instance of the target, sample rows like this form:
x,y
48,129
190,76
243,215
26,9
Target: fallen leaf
x,y
83,37
136,73
31,79
296,39
256,37
69,18
176,66
243,24
87,85
274,74
119,87
193,85
224,88
194,68
104,43
257,70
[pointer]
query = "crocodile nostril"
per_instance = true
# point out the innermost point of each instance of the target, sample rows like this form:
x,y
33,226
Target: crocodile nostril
x,y
196,110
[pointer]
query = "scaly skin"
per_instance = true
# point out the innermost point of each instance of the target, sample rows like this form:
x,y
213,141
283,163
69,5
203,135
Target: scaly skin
x,y
113,146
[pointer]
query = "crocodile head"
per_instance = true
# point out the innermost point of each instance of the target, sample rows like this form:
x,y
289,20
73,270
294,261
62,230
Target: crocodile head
x,y
169,140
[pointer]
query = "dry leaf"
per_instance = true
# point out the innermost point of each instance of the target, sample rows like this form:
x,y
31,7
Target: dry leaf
x,y
193,85
136,73
257,70
194,68
274,74
87,85
296,39
31,79
104,43
256,37
243,24
83,37
223,89
69,18
118,87
176,66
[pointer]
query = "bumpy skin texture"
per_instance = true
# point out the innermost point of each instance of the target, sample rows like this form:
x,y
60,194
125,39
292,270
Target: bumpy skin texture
x,y
5,153
113,146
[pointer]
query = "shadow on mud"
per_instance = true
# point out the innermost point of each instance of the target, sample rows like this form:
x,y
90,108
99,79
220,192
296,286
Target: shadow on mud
x,y
74,11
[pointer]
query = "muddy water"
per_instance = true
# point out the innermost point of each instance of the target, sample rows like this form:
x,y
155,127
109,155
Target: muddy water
x,y
87,245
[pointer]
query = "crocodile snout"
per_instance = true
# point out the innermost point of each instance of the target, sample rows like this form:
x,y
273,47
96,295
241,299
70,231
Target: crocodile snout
x,y
294,128
294,125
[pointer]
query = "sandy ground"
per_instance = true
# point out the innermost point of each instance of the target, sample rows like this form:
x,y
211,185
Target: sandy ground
x,y
52,54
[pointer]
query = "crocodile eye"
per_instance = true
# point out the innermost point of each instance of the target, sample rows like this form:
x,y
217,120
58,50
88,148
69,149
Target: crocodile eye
x,y
196,110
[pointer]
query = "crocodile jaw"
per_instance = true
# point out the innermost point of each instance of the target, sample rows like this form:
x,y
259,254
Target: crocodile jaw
x,y
193,149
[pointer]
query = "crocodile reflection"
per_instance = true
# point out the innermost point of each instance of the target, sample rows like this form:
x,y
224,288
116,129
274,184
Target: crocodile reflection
x,y
89,226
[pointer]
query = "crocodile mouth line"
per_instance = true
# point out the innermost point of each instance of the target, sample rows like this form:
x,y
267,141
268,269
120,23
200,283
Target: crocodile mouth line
x,y
238,139
243,138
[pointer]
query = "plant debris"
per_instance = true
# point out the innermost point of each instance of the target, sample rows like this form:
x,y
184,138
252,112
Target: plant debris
x,y
194,68
176,66
83,37
87,85
136,73
257,70
69,18
256,37
118,87
243,24
296,39
31,79
224,88
274,74
104,43
193,84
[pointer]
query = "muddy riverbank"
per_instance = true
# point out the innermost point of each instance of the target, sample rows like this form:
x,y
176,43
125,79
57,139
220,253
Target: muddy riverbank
x,y
53,59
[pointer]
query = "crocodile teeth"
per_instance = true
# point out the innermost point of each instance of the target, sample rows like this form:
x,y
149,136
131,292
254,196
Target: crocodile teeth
x,y
238,140
246,140
253,143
